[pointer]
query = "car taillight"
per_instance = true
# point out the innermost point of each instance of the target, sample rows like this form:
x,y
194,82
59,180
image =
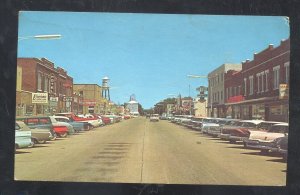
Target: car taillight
x,y
60,128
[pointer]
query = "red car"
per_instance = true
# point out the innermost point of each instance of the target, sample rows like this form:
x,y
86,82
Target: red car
x,y
104,119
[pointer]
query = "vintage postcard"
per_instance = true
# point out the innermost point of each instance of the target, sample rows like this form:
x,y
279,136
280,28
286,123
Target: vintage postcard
x,y
152,98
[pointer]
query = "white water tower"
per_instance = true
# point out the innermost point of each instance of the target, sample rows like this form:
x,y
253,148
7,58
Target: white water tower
x,y
105,88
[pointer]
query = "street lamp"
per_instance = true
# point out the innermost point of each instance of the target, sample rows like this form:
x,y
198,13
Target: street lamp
x,y
41,37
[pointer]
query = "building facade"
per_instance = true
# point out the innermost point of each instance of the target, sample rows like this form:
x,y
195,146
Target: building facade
x,y
263,79
216,107
92,101
40,76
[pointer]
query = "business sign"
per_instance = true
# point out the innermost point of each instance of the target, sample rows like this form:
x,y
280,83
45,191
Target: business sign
x,y
53,99
67,99
283,91
88,102
40,98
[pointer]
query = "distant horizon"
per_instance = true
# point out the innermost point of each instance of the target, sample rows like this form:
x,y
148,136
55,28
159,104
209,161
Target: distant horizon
x,y
149,55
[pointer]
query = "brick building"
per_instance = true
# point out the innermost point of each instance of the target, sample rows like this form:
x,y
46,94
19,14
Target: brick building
x,y
233,93
40,76
92,100
262,79
260,90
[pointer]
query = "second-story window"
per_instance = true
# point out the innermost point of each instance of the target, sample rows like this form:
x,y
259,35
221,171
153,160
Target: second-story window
x,y
258,82
221,95
276,77
287,72
267,80
262,81
46,83
250,85
39,81
245,86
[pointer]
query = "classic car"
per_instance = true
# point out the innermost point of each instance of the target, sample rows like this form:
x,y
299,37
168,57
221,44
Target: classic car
x,y
282,146
77,118
154,117
40,122
37,135
61,129
196,123
267,140
22,137
239,131
215,129
206,122
243,131
77,126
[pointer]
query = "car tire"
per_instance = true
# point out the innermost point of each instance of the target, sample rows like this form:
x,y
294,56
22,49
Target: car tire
x,y
42,142
63,135
264,151
35,141
232,141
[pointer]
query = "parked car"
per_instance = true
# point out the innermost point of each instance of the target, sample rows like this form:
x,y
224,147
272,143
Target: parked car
x,y
196,123
243,132
128,117
282,146
207,122
267,140
22,137
77,126
39,122
106,120
240,131
154,117
37,135
215,129
76,118
59,129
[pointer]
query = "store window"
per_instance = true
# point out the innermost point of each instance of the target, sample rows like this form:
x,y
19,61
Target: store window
x,y
258,111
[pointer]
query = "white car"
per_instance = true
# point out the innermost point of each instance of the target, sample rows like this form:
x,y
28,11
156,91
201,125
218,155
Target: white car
x,y
154,117
267,140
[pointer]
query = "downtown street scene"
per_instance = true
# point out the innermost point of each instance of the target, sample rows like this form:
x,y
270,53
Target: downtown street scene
x,y
150,98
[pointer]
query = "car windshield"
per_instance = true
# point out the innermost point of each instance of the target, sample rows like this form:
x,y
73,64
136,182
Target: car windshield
x,y
266,126
248,124
24,127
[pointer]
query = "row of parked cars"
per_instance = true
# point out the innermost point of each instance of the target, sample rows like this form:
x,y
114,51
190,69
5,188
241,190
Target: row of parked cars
x,y
31,130
266,136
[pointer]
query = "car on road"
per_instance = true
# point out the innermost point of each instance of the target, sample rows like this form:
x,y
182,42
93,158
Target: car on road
x,y
154,118
267,140
22,137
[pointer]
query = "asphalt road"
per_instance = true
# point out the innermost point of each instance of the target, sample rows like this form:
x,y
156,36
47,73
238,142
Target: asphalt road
x,y
139,151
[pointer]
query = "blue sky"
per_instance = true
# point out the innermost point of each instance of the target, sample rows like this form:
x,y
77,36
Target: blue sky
x,y
149,55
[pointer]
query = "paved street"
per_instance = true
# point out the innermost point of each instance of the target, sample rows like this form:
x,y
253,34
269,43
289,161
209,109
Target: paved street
x,y
139,151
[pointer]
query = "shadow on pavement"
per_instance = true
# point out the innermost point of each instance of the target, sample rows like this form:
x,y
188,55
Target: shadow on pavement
x,y
280,160
39,146
21,152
